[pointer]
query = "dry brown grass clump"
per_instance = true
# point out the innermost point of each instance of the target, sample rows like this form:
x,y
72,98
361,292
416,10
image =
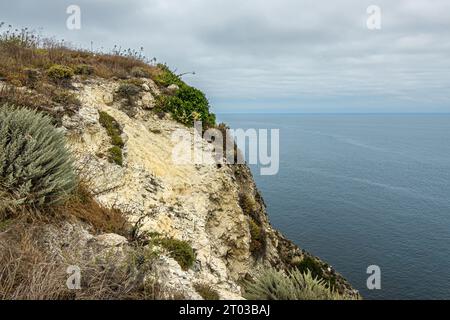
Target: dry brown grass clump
x,y
37,72
25,270
206,291
83,206
29,270
25,58
80,206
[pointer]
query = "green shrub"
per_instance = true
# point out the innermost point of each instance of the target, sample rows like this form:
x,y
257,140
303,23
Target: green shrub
x,y
166,77
35,166
128,89
114,131
84,70
256,237
112,127
115,155
206,291
309,263
32,77
316,268
5,223
188,105
247,203
136,81
179,250
65,98
59,73
294,285
139,72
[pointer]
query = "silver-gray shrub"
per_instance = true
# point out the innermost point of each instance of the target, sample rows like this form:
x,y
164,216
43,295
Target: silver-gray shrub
x,y
35,166
272,284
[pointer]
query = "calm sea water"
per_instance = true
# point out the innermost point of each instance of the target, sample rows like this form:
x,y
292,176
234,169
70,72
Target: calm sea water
x,y
360,190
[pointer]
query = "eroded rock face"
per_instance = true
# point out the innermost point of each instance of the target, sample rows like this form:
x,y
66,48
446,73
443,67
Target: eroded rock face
x,y
195,203
110,240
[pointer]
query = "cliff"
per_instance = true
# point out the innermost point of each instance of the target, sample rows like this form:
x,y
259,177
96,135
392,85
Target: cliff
x,y
137,225
208,206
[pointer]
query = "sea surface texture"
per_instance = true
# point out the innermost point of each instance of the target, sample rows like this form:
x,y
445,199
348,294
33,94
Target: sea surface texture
x,y
362,190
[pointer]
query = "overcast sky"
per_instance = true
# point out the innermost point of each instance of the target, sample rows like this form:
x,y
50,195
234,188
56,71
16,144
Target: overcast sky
x,y
275,55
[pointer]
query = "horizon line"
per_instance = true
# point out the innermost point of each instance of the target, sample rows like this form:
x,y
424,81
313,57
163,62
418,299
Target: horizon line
x,y
340,113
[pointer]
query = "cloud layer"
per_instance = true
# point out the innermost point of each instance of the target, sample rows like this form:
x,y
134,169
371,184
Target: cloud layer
x,y
277,55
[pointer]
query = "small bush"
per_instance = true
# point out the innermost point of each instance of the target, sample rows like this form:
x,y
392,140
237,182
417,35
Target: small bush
x,y
206,291
247,203
309,264
35,166
165,77
83,206
10,95
32,77
16,82
179,250
84,70
4,223
294,285
114,131
139,72
144,255
188,105
58,73
127,90
44,98
66,98
112,128
257,237
115,155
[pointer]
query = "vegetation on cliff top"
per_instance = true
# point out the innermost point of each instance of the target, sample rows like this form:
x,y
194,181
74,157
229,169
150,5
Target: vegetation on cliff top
x,y
187,104
44,65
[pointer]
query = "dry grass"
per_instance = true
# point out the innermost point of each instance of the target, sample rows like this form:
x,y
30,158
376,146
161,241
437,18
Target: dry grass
x,y
80,206
28,64
25,58
31,268
28,61
206,291
26,272
45,98
83,206
29,271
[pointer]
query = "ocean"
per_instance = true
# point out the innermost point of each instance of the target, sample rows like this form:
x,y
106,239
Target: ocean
x,y
360,190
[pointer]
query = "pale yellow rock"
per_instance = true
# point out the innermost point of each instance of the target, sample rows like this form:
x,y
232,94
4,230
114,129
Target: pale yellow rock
x,y
175,200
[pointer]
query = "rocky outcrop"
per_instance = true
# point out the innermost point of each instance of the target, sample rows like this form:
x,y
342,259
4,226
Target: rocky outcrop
x,y
200,204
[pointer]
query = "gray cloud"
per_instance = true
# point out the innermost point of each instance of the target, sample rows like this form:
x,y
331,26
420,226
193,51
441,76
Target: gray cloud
x,y
286,55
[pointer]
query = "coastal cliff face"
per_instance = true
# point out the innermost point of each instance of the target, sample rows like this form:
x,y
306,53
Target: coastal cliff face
x,y
216,209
